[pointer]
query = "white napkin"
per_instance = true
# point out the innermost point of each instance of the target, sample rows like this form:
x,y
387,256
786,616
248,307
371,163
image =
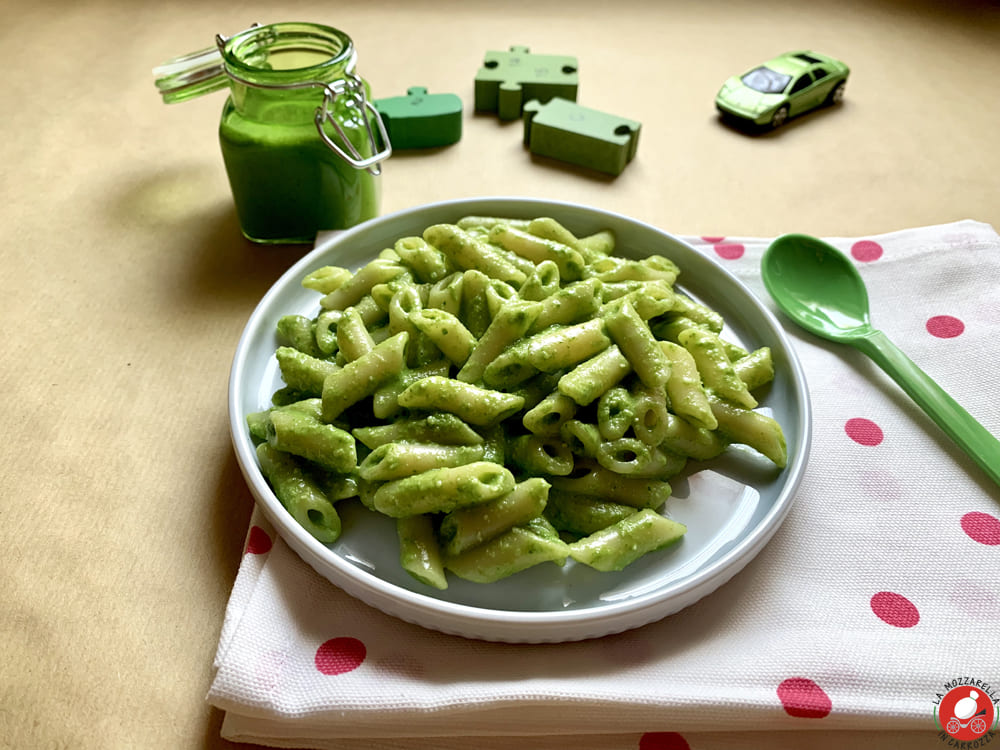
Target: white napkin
x,y
880,589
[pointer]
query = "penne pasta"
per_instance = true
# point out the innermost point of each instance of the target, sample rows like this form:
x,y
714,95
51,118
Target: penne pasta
x,y
497,382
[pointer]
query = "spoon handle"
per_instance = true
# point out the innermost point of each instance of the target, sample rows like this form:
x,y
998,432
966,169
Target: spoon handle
x,y
956,422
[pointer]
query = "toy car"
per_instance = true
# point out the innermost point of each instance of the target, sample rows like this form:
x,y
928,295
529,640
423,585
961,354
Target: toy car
x,y
786,86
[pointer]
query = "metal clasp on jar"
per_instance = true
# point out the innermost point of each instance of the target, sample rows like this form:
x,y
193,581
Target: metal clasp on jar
x,y
354,89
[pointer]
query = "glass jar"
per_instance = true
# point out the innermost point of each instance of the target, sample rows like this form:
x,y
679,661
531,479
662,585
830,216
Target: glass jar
x,y
300,138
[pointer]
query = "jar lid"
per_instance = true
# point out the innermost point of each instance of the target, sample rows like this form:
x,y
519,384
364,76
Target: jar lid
x,y
191,75
205,71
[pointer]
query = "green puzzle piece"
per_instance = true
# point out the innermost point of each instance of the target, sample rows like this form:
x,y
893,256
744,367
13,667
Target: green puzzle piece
x,y
566,131
508,79
421,120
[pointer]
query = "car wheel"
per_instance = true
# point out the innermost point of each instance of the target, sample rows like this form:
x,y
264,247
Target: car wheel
x,y
779,117
837,95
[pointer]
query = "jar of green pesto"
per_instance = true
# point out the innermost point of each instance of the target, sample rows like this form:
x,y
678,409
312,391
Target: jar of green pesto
x,y
301,140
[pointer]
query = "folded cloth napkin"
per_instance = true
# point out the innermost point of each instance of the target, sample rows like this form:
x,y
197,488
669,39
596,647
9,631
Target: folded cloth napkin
x,y
879,593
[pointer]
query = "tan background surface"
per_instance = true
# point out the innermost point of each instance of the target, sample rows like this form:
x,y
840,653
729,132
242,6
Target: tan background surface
x,y
125,283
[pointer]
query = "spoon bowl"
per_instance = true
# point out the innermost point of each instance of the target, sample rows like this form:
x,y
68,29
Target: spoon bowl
x,y
817,286
820,289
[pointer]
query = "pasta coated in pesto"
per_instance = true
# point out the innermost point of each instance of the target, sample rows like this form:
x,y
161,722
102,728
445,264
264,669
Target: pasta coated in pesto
x,y
512,394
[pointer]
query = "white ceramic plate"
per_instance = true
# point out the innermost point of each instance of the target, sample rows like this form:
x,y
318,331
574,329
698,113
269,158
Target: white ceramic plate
x,y
731,507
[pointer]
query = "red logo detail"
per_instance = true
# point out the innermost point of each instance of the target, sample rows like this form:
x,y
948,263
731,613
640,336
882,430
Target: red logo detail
x,y
966,713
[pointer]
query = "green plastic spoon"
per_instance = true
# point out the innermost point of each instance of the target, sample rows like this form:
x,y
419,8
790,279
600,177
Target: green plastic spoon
x,y
819,288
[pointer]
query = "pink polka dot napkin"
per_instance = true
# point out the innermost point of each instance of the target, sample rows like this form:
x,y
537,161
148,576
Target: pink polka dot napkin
x,y
878,596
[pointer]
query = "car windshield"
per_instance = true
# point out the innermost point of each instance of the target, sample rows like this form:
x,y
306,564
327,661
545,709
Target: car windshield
x,y
766,81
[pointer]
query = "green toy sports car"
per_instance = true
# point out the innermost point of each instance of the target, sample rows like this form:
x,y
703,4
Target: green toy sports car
x,y
788,85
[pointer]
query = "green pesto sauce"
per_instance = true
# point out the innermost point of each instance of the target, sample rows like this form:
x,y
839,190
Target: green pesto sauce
x,y
288,184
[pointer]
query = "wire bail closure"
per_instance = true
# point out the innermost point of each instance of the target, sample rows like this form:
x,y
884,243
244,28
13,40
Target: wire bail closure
x,y
354,88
